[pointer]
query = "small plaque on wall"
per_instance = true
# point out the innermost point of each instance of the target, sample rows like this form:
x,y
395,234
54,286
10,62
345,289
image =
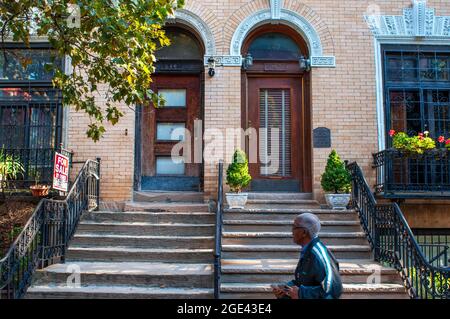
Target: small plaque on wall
x,y
321,137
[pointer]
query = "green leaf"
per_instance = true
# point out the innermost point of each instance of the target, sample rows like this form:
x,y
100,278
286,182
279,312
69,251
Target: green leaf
x,y
114,46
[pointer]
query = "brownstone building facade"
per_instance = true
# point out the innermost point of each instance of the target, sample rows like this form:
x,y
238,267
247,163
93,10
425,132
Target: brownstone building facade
x,y
325,68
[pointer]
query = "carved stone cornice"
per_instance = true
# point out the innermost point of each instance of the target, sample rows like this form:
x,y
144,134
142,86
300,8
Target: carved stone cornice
x,y
416,21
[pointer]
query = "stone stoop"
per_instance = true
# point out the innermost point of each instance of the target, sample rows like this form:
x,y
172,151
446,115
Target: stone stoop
x,y
257,249
159,247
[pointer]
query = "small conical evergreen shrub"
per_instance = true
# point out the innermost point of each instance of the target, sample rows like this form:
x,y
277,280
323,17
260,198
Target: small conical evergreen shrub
x,y
336,178
237,172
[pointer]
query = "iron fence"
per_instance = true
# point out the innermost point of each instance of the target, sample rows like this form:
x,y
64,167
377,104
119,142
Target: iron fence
x,y
395,245
435,244
45,237
218,235
30,130
401,175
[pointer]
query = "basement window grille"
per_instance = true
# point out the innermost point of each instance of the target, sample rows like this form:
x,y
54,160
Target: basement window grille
x,y
30,110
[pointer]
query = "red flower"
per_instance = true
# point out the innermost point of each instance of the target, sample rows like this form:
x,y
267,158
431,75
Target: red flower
x,y
420,134
391,133
447,142
441,139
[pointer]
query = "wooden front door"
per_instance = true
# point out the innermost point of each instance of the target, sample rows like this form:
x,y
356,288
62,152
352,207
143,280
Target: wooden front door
x,y
163,128
275,111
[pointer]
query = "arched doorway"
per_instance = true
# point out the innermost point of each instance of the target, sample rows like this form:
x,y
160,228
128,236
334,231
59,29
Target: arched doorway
x,y
179,80
276,103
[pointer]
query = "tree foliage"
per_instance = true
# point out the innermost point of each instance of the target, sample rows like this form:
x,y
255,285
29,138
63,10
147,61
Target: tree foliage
x,y
238,176
110,43
336,177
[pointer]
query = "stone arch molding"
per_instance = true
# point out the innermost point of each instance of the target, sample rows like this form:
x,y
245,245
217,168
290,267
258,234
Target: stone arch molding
x,y
287,17
192,20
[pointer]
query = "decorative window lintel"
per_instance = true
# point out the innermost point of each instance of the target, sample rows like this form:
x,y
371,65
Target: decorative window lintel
x,y
416,21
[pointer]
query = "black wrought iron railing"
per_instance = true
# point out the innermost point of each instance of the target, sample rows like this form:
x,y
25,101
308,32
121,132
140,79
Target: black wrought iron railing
x,y
45,237
394,244
37,165
401,175
436,254
218,235
435,244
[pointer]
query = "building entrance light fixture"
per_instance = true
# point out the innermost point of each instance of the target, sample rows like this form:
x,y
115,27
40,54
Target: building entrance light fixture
x,y
211,66
247,61
304,63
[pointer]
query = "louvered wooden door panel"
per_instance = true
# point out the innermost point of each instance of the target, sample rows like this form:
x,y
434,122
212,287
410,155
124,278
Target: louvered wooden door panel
x,y
275,119
274,108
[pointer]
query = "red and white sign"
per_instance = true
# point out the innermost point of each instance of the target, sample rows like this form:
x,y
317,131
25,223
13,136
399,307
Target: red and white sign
x,y
61,172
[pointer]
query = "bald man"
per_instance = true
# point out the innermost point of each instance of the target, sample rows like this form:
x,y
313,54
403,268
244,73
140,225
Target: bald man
x,y
317,273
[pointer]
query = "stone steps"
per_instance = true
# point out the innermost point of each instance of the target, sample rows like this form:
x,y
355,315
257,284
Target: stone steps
x,y
142,228
284,196
146,217
351,291
285,238
287,214
116,292
281,270
137,274
283,204
165,207
160,248
168,197
108,240
131,254
257,250
290,251
233,225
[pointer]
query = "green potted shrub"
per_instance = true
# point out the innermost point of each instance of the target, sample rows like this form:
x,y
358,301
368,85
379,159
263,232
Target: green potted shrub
x,y
238,178
336,182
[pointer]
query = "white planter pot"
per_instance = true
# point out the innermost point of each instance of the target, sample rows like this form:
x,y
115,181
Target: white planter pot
x,y
236,200
337,201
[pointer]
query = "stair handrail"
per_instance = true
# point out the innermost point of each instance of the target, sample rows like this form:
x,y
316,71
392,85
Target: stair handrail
x,y
44,239
394,243
218,234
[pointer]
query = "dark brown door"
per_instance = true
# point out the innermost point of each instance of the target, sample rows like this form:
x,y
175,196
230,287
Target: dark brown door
x,y
274,110
163,128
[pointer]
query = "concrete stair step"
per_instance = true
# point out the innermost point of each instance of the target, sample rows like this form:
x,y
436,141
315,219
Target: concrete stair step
x,y
288,214
165,207
168,197
282,203
282,270
351,291
130,254
233,225
160,217
96,239
136,274
268,201
116,292
142,228
290,251
285,238
273,196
